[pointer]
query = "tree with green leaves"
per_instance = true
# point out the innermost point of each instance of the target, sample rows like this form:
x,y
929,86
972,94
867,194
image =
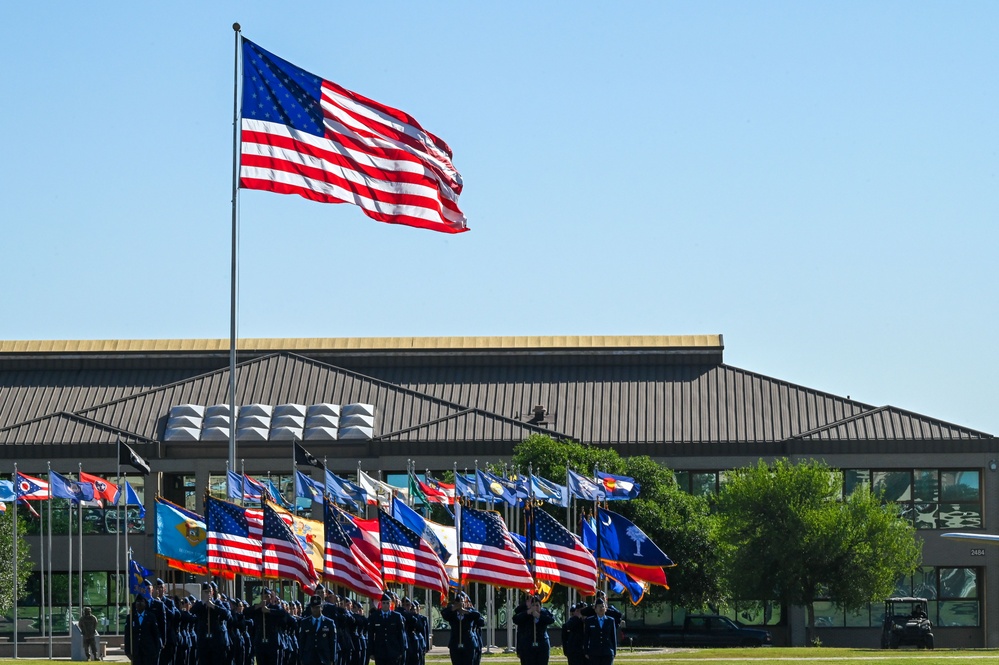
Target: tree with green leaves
x,y
788,535
24,564
681,524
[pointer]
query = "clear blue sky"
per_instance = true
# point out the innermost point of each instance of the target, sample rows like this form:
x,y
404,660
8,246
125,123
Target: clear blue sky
x,y
815,181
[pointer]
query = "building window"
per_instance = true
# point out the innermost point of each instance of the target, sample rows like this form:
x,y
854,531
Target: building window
x,y
929,498
952,599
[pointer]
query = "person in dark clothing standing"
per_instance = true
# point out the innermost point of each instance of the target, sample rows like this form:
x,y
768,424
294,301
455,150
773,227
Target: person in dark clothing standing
x,y
464,643
143,634
269,620
387,634
600,631
572,636
533,644
88,629
317,640
210,618
171,617
360,656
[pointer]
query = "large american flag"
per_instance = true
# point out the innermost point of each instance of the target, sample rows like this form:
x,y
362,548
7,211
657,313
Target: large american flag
x,y
407,558
560,557
283,556
308,136
343,562
232,546
488,554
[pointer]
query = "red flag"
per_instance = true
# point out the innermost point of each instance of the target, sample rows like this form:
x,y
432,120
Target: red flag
x,y
103,490
303,135
437,492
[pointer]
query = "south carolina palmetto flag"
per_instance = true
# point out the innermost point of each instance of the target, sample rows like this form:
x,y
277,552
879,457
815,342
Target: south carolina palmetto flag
x,y
301,134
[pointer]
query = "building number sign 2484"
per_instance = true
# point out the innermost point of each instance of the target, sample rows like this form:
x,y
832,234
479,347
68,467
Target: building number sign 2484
x,y
977,551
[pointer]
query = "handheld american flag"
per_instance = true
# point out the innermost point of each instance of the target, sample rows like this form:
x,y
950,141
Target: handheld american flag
x,y
488,554
232,547
344,563
308,136
282,554
560,557
406,557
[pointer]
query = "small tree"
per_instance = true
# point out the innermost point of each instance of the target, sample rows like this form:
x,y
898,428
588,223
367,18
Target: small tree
x,y
24,564
789,537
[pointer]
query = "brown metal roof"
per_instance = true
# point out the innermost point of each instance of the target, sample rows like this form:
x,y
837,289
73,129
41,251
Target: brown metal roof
x,y
888,423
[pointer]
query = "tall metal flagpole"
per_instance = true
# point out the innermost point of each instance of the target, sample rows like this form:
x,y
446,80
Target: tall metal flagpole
x,y
235,237
16,484
79,532
50,563
117,546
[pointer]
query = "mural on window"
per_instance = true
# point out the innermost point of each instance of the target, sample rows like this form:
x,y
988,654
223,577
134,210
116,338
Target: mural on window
x,y
930,498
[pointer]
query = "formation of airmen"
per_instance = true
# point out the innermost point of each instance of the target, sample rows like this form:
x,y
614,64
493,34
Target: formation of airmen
x,y
335,630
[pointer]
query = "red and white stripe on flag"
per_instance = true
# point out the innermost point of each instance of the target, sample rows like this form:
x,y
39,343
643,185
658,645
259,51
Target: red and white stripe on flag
x,y
304,135
282,554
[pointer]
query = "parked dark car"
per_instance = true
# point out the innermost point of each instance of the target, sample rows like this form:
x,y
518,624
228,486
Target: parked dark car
x,y
711,630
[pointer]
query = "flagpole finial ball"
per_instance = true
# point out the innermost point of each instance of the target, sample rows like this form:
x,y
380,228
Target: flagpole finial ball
x,y
235,26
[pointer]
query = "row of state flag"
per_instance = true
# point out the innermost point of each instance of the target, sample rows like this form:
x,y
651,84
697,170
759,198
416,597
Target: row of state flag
x,y
400,545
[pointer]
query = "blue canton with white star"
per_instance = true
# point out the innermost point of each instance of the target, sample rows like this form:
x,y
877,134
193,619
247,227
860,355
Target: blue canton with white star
x,y
224,517
482,527
547,530
274,90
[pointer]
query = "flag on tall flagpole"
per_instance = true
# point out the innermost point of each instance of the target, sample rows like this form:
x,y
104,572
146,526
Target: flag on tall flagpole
x,y
30,488
62,487
128,456
304,135
104,490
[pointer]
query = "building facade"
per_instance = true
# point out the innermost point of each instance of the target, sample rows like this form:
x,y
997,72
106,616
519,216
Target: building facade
x,y
457,401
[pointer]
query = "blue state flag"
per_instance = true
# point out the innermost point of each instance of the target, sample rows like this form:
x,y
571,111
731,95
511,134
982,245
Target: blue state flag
x,y
345,492
489,487
624,542
64,488
307,488
418,524
583,488
136,574
274,494
132,499
464,488
7,491
180,534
